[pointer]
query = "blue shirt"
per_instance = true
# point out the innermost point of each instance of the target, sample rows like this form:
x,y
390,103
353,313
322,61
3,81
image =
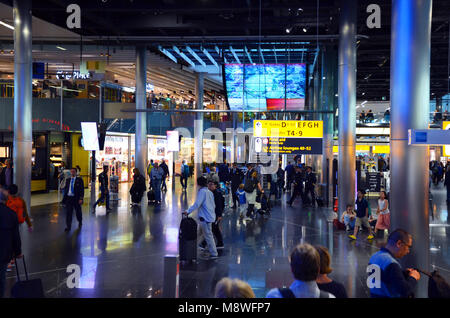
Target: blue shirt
x,y
205,205
300,289
241,196
157,173
361,207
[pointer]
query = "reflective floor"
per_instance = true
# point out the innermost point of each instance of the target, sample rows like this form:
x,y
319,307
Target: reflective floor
x,y
121,254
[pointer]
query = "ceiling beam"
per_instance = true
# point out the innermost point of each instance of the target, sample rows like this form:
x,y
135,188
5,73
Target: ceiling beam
x,y
205,51
167,53
235,55
195,55
248,54
183,56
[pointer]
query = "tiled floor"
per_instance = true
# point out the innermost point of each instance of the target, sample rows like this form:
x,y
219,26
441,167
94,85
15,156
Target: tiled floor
x,y
121,254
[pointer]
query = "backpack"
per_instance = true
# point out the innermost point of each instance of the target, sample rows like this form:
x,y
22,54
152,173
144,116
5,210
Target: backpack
x,y
149,169
287,293
185,170
249,185
18,206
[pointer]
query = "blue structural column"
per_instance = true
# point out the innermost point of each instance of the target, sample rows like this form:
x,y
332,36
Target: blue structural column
x,y
410,92
22,97
347,104
198,127
141,117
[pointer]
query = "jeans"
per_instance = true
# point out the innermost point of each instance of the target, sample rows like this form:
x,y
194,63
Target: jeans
x,y
209,238
350,223
280,190
298,191
156,184
183,184
217,234
3,267
163,184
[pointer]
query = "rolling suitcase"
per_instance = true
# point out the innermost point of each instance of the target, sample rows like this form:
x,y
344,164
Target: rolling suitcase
x,y
151,196
28,288
187,239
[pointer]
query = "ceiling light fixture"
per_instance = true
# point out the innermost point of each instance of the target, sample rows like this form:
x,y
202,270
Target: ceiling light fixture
x,y
305,30
288,30
9,26
61,48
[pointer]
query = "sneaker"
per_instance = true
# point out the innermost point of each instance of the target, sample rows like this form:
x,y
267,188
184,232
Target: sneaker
x,y
66,229
211,257
247,218
352,237
370,237
202,248
220,247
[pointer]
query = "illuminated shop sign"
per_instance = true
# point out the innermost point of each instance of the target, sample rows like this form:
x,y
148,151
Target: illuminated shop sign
x,y
75,75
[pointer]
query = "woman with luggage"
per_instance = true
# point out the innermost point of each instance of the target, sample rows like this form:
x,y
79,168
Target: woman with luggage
x,y
138,188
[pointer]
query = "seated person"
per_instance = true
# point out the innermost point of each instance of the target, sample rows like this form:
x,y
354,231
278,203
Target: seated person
x,y
373,218
349,218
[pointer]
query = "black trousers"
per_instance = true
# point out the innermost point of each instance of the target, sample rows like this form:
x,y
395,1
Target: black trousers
x,y
103,196
310,190
298,191
72,204
183,184
136,197
234,196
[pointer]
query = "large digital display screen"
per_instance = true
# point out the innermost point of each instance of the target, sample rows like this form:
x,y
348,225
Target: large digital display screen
x,y
265,86
90,136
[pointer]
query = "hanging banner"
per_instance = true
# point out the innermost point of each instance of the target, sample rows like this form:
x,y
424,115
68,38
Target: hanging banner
x,y
173,142
446,150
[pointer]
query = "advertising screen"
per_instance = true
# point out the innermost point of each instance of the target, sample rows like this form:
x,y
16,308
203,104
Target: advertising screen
x,y
90,136
265,86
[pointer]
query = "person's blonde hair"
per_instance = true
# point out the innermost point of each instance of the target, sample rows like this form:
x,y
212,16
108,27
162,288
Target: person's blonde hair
x,y
233,288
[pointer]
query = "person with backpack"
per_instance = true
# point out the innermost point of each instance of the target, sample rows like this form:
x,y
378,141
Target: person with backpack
x,y
305,266
213,176
104,190
206,214
184,175
362,215
252,187
240,193
165,168
18,205
290,172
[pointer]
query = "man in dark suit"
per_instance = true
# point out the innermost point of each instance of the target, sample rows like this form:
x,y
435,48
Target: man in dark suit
x,y
310,184
73,198
10,244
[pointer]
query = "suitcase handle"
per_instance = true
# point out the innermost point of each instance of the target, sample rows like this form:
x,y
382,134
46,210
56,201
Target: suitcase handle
x,y
24,266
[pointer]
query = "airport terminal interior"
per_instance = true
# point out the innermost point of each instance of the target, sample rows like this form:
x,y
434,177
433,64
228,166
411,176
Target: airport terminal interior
x,y
114,113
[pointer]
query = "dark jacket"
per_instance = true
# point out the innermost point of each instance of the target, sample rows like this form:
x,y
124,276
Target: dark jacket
x,y
298,180
3,177
310,179
165,169
236,178
223,173
10,244
447,179
394,283
138,185
103,180
220,203
78,188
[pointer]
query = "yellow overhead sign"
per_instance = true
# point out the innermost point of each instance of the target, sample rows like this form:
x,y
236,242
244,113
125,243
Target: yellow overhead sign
x,y
381,149
446,126
360,148
288,128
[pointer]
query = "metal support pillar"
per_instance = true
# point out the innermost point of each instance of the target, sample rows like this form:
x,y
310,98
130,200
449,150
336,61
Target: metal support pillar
x,y
410,92
23,135
198,127
141,118
347,104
